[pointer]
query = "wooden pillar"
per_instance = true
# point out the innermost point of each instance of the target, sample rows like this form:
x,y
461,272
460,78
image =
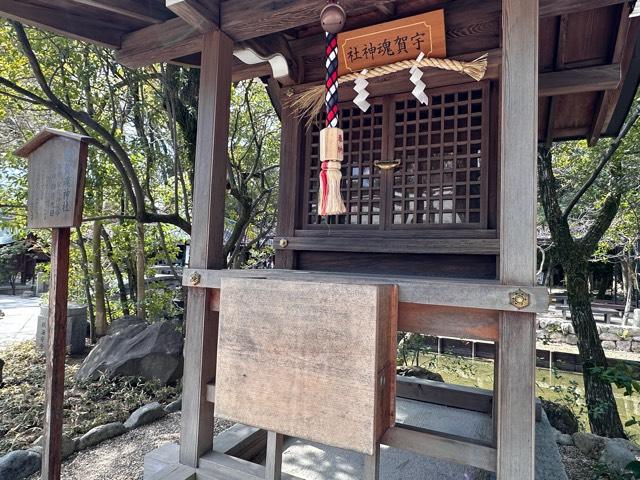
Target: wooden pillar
x,y
56,352
515,412
273,466
372,465
196,436
290,166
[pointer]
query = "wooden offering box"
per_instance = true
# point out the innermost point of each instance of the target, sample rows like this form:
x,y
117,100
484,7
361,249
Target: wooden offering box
x,y
312,360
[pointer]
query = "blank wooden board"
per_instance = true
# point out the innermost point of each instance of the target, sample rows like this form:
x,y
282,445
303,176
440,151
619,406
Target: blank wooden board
x,y
310,360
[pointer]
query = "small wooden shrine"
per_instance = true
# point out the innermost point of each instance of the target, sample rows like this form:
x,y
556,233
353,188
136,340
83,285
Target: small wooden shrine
x,y
438,234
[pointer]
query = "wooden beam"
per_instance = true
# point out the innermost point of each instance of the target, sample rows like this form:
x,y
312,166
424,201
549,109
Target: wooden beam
x,y
206,244
176,39
452,448
204,15
147,11
68,24
242,442
608,100
56,353
515,382
580,80
457,396
159,43
480,294
273,464
552,8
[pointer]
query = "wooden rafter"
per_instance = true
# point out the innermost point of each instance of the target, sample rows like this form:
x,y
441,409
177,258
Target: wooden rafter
x,y
147,11
608,99
552,8
204,15
70,24
558,62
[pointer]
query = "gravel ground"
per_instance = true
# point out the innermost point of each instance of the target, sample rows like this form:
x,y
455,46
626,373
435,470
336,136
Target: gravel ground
x,y
122,458
576,464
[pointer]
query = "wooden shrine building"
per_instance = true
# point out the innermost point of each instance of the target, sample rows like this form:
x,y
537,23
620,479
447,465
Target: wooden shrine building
x,y
439,235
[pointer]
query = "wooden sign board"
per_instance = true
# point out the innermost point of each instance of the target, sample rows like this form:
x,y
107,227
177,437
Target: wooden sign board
x,y
312,360
56,175
392,42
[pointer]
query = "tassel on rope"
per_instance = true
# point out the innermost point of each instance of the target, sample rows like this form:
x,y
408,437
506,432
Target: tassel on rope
x,y
331,138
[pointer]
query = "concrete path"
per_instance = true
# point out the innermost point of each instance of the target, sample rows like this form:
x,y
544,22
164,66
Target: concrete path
x,y
20,319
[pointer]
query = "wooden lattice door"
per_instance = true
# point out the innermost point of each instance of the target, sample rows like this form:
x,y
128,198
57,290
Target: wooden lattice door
x,y
442,150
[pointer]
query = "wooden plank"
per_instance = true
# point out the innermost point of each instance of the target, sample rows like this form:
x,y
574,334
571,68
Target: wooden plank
x,y
457,396
218,466
144,11
345,376
552,8
69,24
580,80
461,293
206,244
160,43
371,469
56,352
515,399
174,472
468,246
241,441
440,445
609,99
290,172
204,15
273,466
515,379
468,323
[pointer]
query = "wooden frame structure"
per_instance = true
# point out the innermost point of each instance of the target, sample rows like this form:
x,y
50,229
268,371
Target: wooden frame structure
x,y
544,82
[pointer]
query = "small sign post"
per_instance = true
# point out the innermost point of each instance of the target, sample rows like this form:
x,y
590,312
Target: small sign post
x,y
56,175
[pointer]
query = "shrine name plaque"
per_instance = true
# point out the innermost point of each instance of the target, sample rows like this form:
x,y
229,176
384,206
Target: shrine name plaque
x,y
392,42
56,175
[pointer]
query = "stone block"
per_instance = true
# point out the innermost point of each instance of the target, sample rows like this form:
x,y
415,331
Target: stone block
x,y
100,434
623,345
635,346
76,328
611,337
571,339
588,443
609,345
145,414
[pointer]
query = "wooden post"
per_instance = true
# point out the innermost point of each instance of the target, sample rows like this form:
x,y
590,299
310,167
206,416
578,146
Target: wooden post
x,y
372,465
274,456
515,411
56,351
196,436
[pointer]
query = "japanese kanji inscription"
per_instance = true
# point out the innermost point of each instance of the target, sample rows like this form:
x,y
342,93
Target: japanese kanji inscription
x,y
392,42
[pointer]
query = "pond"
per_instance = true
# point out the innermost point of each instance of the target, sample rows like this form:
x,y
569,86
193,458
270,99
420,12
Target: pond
x,y
562,387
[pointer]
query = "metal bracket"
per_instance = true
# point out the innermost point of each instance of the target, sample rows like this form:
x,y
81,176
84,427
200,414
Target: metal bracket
x,y
520,299
283,243
195,278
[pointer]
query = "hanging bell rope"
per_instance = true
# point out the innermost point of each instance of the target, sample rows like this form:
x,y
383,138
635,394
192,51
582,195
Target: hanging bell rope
x,y
310,102
331,137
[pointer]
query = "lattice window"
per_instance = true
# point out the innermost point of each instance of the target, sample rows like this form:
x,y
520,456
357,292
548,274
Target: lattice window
x,y
442,149
361,182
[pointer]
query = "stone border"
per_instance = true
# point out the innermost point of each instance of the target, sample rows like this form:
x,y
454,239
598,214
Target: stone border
x,y
21,464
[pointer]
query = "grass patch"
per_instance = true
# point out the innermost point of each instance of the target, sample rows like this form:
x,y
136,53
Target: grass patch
x,y
86,405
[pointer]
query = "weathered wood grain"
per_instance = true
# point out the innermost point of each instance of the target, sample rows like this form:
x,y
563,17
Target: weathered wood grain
x,y
204,15
148,11
459,293
273,464
580,80
206,246
56,352
439,445
321,362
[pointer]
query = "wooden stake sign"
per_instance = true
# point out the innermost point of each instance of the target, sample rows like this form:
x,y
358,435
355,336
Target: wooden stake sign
x,y
57,165
392,42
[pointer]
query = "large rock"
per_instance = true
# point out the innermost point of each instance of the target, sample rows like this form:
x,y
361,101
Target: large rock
x,y
150,352
418,372
588,443
68,446
121,323
19,464
617,454
561,417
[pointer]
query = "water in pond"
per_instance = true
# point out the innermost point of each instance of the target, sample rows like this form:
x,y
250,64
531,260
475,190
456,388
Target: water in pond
x,y
562,387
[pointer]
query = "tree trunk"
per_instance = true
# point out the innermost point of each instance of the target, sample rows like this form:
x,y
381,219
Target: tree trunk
x,y
84,265
122,291
140,268
101,313
627,277
601,405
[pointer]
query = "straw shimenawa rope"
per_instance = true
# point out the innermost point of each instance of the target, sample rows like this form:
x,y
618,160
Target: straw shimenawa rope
x,y
310,102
